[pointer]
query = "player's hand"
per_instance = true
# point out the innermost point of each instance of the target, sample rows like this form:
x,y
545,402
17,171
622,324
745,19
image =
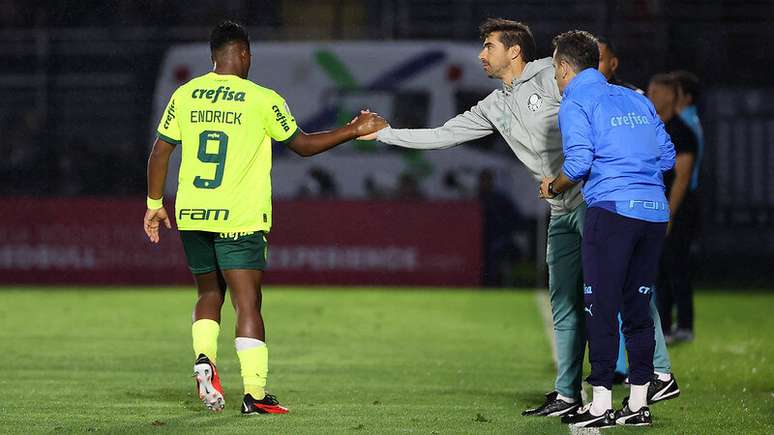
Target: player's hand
x,y
669,227
152,221
367,124
543,192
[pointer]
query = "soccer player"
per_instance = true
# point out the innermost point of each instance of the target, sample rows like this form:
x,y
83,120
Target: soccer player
x,y
224,124
615,143
674,285
524,112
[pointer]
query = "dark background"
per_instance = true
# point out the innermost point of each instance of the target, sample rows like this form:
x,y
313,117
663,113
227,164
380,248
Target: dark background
x,y
77,80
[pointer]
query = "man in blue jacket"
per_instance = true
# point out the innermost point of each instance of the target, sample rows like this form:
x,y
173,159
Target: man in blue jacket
x,y
615,143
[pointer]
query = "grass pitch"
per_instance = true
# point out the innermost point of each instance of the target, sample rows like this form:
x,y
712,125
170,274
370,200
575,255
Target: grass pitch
x,y
349,361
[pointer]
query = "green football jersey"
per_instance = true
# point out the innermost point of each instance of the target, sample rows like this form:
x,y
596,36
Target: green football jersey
x,y
225,125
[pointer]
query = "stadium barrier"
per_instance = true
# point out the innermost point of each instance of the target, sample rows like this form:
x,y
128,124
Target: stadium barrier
x,y
101,242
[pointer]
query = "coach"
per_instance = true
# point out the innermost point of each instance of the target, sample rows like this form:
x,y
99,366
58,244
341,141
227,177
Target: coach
x,y
615,143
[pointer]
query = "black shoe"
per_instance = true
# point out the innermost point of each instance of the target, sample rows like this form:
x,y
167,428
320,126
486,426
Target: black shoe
x,y
659,390
626,417
267,405
552,407
584,418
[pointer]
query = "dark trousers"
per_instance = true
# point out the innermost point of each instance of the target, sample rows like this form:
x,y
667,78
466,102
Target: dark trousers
x,y
620,267
674,281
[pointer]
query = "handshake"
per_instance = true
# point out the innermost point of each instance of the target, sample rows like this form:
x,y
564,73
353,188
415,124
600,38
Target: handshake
x,y
367,124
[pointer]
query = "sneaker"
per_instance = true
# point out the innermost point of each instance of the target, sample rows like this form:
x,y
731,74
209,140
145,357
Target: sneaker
x,y
267,405
552,407
208,384
584,418
659,390
682,336
626,417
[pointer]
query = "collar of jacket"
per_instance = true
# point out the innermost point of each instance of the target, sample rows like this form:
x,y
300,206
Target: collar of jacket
x,y
585,77
531,69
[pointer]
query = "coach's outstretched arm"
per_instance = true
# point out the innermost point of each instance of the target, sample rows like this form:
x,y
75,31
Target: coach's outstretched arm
x,y
464,127
309,144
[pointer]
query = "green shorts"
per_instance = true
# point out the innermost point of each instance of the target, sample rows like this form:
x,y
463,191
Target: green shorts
x,y
207,252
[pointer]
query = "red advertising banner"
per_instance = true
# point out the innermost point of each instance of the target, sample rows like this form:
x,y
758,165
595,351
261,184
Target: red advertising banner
x,y
101,241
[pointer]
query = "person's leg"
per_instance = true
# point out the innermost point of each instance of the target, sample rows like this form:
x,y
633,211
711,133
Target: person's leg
x,y
607,248
242,257
200,253
664,290
683,291
245,289
621,368
205,329
565,287
662,365
638,323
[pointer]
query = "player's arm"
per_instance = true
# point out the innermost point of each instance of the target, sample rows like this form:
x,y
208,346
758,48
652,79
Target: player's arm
x,y
281,126
168,136
158,163
578,150
464,127
309,144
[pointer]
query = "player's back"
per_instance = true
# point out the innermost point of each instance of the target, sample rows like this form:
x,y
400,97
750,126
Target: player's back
x,y
225,125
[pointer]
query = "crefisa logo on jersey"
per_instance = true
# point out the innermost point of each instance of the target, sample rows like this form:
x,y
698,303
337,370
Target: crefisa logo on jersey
x,y
222,93
535,102
280,117
170,114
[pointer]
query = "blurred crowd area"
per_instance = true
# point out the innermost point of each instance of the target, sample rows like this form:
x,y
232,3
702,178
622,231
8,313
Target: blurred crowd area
x,y
78,77
78,80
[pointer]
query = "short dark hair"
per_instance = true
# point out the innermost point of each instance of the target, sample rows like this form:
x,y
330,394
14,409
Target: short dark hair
x,y
608,43
511,33
688,82
226,33
578,48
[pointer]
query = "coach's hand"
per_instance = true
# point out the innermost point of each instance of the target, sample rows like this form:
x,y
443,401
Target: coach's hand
x,y
543,190
373,123
153,217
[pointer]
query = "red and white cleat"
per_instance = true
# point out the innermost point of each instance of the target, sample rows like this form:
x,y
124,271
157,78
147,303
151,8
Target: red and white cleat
x,y
208,384
267,405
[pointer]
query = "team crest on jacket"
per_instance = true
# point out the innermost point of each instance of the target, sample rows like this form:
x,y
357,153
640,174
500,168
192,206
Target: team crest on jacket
x,y
535,102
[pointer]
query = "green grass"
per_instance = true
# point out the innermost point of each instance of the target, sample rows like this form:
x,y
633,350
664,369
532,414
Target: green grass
x,y
345,361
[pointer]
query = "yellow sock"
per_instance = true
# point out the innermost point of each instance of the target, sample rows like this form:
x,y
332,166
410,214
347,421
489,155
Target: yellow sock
x,y
254,361
205,338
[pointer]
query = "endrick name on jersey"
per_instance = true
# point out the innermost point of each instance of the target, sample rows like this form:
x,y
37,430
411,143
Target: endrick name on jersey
x,y
220,116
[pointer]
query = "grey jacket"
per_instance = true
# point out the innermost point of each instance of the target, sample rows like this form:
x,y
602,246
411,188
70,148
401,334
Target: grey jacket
x,y
525,114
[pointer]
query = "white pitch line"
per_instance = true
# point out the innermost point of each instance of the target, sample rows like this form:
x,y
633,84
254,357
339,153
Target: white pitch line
x,y
544,305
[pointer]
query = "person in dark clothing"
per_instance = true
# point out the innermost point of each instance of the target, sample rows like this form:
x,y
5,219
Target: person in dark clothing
x,y
616,145
501,219
608,66
674,284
